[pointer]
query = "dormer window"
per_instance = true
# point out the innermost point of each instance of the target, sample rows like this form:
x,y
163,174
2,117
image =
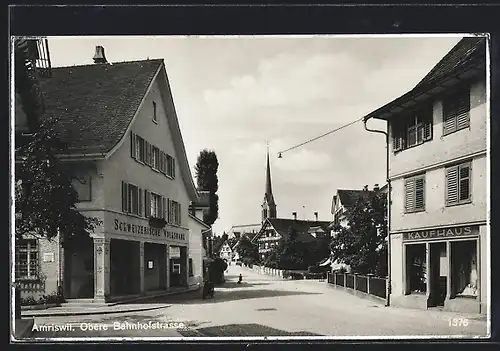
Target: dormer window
x,y
155,118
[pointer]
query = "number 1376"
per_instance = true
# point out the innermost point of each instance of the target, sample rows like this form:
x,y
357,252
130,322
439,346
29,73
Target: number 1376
x,y
458,322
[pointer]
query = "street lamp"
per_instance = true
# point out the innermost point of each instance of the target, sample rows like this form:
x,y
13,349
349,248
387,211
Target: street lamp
x,y
389,282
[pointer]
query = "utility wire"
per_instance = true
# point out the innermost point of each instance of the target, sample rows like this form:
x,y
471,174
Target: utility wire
x,y
321,136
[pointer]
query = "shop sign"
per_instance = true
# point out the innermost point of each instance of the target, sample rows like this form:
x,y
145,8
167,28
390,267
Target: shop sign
x,y
146,230
441,233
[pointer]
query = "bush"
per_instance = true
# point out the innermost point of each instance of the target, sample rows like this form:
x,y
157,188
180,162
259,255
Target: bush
x,y
296,275
316,269
53,298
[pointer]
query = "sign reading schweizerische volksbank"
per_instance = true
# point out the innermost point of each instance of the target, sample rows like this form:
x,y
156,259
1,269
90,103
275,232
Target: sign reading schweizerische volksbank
x,y
125,227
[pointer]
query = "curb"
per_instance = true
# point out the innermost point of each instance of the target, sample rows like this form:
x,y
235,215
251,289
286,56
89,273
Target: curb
x,y
103,311
39,307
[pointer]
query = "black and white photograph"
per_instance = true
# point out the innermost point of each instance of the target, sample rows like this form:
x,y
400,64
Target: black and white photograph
x,y
239,187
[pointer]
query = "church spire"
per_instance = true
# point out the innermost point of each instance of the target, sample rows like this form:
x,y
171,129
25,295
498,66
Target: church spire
x,y
268,206
269,190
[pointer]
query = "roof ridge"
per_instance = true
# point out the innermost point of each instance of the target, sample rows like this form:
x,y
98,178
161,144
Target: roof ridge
x,y
109,63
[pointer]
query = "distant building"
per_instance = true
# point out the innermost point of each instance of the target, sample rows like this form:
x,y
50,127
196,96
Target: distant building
x,y
275,229
226,252
438,173
237,231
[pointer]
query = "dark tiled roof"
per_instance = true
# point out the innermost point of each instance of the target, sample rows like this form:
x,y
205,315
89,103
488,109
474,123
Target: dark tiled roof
x,y
96,103
349,197
467,50
282,226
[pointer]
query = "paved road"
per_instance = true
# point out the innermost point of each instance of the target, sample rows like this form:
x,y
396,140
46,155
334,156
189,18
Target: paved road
x,y
267,306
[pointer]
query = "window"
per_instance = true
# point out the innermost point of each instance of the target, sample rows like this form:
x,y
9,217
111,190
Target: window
x,y
131,199
174,214
456,109
157,205
26,265
191,273
415,194
154,113
170,166
82,186
155,162
458,184
413,130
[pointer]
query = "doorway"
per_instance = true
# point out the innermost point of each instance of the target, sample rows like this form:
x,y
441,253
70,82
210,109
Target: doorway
x,y
439,272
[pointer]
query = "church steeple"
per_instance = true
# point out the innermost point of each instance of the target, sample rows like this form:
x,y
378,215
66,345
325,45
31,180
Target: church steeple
x,y
268,206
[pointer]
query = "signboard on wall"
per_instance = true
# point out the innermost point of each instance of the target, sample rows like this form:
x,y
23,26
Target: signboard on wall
x,y
441,233
138,227
174,252
48,257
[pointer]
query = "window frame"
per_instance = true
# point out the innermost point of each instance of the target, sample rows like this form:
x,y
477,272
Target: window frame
x,y
420,120
414,179
30,275
458,167
88,178
128,199
453,99
155,116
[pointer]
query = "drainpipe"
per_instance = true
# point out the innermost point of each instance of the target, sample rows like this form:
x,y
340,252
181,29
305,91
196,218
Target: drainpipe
x,y
389,281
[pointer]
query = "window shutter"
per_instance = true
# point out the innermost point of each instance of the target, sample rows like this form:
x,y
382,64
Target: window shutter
x,y
179,213
164,203
419,193
132,145
464,182
463,107
170,211
124,197
428,126
449,120
173,167
397,140
147,204
410,195
140,202
452,185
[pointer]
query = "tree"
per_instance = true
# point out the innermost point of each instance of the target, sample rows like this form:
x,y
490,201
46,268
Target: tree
x,y
218,242
362,244
248,251
292,252
45,197
206,169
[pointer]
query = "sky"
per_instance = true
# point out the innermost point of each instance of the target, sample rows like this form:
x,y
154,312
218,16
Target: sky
x,y
234,95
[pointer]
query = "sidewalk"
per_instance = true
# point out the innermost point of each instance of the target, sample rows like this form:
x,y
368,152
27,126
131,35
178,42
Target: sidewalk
x,y
119,307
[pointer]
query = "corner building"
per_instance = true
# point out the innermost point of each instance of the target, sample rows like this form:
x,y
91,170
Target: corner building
x,y
130,170
438,173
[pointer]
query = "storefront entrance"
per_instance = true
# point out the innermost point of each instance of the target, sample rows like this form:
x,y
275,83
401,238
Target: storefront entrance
x,y
78,268
438,264
155,267
178,266
124,267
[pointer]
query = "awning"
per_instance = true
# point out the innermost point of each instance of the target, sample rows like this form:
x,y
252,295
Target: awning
x,y
326,262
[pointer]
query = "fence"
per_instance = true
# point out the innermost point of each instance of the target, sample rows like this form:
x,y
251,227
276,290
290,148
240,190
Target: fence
x,y
369,285
267,270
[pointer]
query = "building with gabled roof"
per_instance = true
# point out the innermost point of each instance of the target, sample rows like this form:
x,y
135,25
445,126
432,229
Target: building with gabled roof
x,y
438,174
126,154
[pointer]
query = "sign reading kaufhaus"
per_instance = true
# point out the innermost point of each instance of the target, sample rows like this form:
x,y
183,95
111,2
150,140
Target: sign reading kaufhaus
x,y
122,226
441,233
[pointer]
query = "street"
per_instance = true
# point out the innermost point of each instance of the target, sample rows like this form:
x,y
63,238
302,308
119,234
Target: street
x,y
267,306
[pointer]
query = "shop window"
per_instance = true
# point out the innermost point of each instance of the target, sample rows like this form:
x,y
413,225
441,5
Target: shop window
x,y
412,130
456,111
416,279
464,281
415,194
27,259
458,184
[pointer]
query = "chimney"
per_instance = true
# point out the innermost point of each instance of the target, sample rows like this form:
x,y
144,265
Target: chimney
x,y
316,216
365,188
294,214
99,56
375,187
